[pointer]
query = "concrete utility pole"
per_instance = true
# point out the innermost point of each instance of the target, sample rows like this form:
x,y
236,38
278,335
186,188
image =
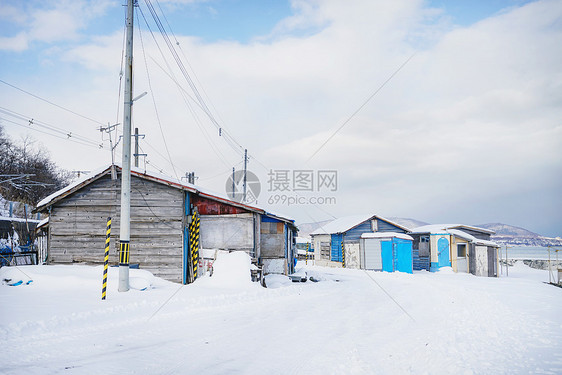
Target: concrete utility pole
x,y
245,170
136,147
125,227
137,135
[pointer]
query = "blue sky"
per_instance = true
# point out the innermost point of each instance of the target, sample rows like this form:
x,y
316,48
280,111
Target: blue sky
x,y
459,134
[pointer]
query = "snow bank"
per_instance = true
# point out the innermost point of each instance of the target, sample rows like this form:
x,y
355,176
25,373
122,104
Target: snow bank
x,y
273,281
352,322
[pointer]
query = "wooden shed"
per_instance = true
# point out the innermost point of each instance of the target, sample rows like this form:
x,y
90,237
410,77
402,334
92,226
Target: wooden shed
x,y
336,244
161,212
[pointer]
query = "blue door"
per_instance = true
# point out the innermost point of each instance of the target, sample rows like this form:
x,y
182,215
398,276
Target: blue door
x,y
404,261
443,252
335,253
387,255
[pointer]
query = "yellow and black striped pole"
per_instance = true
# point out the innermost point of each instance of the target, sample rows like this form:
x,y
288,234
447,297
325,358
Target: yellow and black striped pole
x,y
106,258
342,255
306,260
194,242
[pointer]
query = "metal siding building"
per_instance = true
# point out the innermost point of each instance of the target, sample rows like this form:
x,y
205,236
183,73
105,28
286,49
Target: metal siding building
x,y
465,248
387,251
348,230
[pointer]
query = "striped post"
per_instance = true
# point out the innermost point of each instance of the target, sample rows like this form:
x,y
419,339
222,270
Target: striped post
x,y
306,260
194,243
342,255
106,258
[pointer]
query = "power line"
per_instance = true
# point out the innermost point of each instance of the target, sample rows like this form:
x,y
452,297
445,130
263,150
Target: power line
x,y
32,121
202,104
183,93
154,102
51,103
54,135
360,107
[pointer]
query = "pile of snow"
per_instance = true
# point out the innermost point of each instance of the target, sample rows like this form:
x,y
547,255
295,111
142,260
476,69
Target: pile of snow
x,y
273,281
230,270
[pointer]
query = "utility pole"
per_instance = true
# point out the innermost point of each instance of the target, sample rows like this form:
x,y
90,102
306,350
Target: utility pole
x,y
245,170
136,147
125,227
137,135
506,264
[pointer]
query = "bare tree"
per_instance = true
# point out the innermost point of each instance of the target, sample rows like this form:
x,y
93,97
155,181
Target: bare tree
x,y
27,173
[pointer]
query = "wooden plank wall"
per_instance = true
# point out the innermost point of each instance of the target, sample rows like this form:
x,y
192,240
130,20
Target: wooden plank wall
x,y
77,226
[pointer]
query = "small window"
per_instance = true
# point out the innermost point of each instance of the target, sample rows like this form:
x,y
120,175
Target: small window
x,y
461,250
424,239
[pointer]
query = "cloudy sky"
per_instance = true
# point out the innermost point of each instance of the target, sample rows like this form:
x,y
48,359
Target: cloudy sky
x,y
442,111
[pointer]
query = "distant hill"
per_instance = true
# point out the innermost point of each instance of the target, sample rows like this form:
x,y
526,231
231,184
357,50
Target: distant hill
x,y
512,235
306,228
508,230
407,222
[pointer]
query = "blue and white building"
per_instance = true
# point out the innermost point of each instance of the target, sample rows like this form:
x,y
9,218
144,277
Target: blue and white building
x,y
348,241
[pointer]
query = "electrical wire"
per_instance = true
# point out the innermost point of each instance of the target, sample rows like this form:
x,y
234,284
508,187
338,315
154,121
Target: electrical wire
x,y
53,135
51,103
183,93
361,107
154,102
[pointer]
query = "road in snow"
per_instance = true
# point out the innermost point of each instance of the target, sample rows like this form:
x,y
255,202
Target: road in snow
x,y
343,324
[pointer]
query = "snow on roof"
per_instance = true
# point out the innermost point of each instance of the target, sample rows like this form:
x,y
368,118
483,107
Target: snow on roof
x,y
43,222
461,234
387,235
440,228
342,224
486,243
434,229
170,181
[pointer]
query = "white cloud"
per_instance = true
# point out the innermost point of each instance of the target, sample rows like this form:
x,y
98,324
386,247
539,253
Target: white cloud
x,y
15,43
48,21
472,116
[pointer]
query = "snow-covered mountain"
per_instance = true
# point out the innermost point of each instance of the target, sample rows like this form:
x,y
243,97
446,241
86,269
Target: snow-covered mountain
x,y
407,222
512,235
306,228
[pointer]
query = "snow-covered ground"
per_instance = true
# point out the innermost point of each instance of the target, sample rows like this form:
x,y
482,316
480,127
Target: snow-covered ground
x,y
349,322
